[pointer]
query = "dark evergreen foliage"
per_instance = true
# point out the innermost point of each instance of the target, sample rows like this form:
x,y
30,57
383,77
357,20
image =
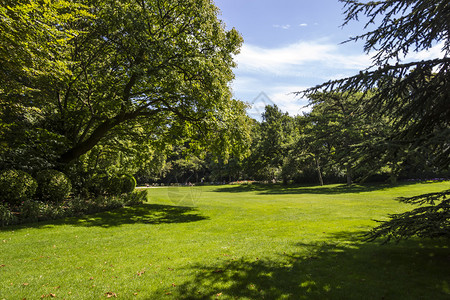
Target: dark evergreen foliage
x,y
431,221
414,95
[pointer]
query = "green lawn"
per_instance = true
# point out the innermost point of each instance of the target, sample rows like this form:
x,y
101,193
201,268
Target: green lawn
x,y
228,242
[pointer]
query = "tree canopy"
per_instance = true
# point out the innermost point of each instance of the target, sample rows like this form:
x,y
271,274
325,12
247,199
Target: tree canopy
x,y
81,69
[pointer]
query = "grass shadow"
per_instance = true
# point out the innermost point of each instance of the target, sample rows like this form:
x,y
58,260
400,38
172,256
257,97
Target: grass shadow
x,y
142,214
279,189
339,268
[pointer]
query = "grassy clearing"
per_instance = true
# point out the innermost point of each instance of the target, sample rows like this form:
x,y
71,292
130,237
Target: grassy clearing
x,y
228,242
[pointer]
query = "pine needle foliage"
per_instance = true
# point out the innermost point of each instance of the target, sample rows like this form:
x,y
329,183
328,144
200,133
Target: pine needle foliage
x,y
415,95
431,221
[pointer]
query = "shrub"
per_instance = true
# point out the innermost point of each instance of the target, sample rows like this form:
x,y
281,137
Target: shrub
x,y
135,198
114,185
128,183
6,216
16,186
29,211
98,184
53,185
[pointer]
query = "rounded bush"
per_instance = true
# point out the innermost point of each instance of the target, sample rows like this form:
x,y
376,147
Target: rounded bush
x,y
114,185
128,183
16,186
53,185
98,184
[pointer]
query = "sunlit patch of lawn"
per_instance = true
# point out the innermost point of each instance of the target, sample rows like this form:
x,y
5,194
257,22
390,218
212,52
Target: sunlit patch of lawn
x,y
229,242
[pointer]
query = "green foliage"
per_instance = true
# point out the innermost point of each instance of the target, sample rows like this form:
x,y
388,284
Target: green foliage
x,y
128,183
412,96
6,216
430,221
105,86
53,185
16,186
135,198
272,141
29,211
97,183
34,36
113,185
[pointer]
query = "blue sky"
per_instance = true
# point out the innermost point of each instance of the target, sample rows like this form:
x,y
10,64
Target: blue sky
x,y
290,45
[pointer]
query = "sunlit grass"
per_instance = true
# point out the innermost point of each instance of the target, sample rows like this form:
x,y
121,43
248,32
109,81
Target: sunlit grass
x,y
241,242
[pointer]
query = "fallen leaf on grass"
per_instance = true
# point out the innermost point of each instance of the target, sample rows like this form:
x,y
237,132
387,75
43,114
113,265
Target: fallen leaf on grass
x,y
110,295
1,266
174,285
25,284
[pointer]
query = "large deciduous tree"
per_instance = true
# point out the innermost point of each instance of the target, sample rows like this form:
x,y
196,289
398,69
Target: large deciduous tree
x,y
414,94
81,69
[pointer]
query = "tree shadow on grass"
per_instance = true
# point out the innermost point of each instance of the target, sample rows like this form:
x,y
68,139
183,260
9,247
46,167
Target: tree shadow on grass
x,y
141,214
279,189
340,268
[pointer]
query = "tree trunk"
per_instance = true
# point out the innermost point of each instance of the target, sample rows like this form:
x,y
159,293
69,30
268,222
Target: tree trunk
x,y
84,146
319,173
393,175
349,175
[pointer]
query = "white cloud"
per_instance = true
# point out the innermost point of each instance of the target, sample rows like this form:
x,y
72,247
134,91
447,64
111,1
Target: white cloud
x,y
291,59
306,58
285,27
287,101
259,94
278,72
303,25
434,52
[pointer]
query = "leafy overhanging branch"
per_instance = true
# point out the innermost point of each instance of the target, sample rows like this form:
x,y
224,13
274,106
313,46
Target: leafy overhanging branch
x,y
432,221
404,26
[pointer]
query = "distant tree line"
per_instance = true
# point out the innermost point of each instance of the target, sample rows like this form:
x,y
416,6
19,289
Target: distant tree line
x,y
336,142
